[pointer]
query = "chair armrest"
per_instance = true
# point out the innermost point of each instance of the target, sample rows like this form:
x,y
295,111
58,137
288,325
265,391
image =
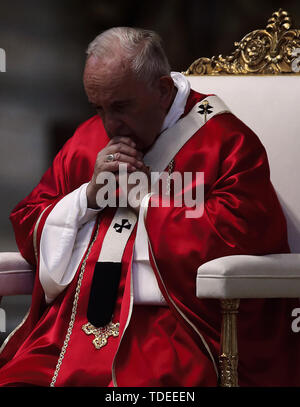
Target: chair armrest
x,y
16,275
242,276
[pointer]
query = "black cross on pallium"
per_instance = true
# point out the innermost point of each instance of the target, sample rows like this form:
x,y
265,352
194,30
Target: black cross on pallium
x,y
205,108
125,224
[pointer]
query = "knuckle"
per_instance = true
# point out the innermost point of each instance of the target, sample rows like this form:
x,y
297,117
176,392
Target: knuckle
x,y
121,148
124,139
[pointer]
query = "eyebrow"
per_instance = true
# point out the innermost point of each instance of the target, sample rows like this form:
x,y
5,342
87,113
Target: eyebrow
x,y
121,102
116,102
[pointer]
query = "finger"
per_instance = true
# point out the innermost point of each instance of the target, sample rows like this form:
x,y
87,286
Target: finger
x,y
122,139
124,158
108,166
113,166
125,149
103,165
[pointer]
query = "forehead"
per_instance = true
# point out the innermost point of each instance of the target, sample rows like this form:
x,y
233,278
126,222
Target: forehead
x,y
110,79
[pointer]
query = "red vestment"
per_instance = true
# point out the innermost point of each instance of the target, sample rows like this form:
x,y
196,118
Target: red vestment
x,y
161,346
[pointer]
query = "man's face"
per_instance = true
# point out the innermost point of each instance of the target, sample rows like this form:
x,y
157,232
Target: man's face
x,y
127,106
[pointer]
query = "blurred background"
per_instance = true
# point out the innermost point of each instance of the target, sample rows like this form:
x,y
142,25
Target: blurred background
x,y
42,99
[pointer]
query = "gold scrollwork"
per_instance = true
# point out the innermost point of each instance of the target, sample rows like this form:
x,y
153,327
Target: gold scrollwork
x,y
265,51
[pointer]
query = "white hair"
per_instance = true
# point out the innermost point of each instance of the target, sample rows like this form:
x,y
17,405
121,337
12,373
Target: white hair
x,y
142,48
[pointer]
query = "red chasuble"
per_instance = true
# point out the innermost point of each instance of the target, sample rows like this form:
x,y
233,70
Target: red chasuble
x,y
176,345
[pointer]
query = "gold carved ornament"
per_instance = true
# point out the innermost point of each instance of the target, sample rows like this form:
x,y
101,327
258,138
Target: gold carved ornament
x,y
266,51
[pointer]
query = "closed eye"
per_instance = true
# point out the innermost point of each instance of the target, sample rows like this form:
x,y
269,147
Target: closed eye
x,y
120,106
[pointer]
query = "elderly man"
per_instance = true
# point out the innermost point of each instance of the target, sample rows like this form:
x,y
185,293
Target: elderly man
x,y
114,300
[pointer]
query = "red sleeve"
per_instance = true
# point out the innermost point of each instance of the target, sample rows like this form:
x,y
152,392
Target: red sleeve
x,y
72,167
241,215
41,200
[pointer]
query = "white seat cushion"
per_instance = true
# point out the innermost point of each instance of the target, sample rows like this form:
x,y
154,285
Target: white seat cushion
x,y
16,275
13,261
241,276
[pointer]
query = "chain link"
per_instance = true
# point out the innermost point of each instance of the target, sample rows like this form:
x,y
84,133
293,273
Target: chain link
x,y
73,314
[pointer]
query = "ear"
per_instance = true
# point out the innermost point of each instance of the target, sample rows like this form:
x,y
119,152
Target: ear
x,y
166,89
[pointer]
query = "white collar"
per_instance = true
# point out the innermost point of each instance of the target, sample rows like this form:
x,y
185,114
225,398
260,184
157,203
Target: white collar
x,y
176,110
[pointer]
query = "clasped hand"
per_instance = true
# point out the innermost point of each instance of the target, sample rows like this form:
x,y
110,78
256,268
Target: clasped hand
x,y
124,151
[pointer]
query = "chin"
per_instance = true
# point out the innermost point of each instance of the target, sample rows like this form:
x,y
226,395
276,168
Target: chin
x,y
144,145
139,144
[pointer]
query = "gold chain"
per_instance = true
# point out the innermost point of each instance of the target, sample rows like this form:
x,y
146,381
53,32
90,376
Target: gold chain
x,y
170,170
73,314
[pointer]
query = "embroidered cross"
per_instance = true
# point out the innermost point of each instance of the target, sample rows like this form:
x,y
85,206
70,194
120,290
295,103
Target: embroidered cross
x,y
101,334
205,108
125,224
